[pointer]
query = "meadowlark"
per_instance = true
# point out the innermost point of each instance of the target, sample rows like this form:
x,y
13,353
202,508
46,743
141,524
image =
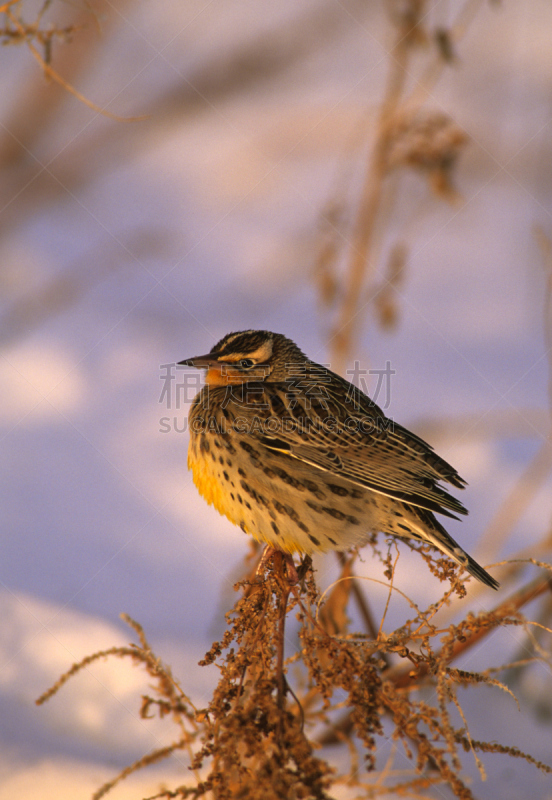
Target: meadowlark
x,y
302,460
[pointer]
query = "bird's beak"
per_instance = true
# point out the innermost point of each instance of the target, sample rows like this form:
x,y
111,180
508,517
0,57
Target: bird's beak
x,y
217,371
201,362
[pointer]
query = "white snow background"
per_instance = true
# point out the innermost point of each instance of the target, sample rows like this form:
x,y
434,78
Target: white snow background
x,y
198,221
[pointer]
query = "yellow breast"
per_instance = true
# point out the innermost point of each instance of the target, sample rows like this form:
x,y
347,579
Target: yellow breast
x,y
268,504
209,479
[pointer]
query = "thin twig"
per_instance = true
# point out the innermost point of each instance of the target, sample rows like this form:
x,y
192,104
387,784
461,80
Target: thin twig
x,y
404,677
50,72
280,676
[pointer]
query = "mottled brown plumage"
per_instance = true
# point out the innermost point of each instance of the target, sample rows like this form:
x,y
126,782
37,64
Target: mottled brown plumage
x,y
304,461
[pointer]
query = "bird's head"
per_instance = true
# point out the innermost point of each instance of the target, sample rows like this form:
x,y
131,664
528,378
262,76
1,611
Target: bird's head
x,y
247,356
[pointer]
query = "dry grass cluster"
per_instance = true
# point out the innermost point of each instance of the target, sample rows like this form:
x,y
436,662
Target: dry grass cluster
x,y
302,724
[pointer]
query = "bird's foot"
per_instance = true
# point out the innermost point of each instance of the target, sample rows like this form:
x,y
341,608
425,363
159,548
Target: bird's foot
x,y
280,558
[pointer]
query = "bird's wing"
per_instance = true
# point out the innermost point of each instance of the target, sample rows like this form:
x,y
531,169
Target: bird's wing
x,y
356,442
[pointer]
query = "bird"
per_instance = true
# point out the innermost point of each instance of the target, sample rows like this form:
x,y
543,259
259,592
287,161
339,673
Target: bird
x,y
304,461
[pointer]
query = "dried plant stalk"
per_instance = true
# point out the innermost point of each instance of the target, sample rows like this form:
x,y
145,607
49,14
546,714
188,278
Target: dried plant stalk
x,y
261,733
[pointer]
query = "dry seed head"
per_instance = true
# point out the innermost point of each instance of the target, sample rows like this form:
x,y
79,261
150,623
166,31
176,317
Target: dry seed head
x,y
425,141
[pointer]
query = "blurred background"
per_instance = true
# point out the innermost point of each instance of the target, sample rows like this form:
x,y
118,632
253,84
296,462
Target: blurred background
x,y
374,180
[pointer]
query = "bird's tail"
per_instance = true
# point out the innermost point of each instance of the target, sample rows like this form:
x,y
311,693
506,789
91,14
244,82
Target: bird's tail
x,y
430,530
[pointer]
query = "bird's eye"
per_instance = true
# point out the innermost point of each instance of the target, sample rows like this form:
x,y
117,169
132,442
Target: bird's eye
x,y
247,363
